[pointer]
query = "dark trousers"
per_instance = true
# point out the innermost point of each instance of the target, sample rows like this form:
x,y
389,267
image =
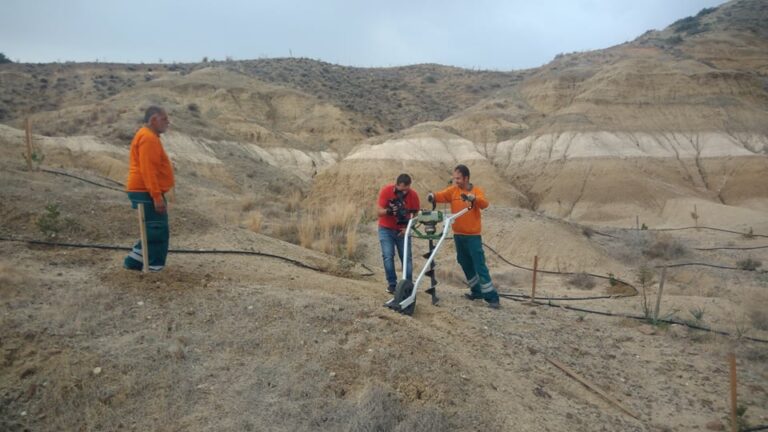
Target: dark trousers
x,y
469,253
158,235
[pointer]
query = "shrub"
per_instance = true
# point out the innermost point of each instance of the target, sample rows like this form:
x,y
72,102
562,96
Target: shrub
x,y
582,280
666,249
49,222
588,232
644,277
705,11
4,59
749,264
429,79
759,319
697,313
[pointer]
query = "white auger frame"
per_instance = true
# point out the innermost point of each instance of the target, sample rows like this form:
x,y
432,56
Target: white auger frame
x,y
404,300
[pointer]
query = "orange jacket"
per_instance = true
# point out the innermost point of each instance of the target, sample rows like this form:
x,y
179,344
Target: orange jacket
x,y
150,169
468,223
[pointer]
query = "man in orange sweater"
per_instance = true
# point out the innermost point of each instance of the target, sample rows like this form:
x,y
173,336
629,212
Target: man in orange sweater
x,y
466,234
150,177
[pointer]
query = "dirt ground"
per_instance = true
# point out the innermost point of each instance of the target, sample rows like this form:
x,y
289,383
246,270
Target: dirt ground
x,y
230,342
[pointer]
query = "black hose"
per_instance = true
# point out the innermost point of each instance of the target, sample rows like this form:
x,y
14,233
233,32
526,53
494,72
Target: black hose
x,y
605,297
707,228
756,428
731,248
179,251
81,179
700,265
609,278
591,311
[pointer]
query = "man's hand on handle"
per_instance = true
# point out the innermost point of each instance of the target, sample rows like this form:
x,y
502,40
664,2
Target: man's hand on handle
x,y
160,207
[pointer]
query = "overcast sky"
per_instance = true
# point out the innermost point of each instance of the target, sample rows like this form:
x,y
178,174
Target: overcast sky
x,y
486,34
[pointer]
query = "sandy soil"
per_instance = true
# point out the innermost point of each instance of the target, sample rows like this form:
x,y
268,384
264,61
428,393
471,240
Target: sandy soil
x,y
221,342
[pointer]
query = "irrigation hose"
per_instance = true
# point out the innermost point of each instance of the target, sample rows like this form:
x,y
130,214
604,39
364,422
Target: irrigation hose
x,y
179,251
81,179
635,317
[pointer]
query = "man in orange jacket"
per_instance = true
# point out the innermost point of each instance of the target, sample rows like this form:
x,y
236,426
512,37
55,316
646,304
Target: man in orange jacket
x,y
466,234
150,177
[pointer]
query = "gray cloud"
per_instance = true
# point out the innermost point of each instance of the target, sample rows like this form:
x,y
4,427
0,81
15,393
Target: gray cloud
x,y
488,34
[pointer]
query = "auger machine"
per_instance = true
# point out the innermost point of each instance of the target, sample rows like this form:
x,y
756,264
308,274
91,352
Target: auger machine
x,y
422,226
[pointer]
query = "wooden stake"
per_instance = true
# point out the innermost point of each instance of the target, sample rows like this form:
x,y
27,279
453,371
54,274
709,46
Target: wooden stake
x,y
734,405
535,268
144,248
661,290
28,129
591,386
637,222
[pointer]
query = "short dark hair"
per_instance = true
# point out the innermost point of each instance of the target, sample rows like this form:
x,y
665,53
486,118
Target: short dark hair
x,y
462,169
154,109
404,179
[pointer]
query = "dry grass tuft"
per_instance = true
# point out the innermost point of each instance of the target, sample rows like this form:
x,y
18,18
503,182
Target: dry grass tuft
x,y
378,410
582,281
248,203
293,201
257,220
666,248
333,230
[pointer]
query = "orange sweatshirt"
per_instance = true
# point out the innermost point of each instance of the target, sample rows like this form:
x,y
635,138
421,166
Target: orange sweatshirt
x,y
150,169
469,223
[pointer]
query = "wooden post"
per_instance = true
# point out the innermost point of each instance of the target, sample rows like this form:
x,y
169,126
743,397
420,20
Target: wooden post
x,y
144,246
535,268
637,222
28,130
734,405
661,290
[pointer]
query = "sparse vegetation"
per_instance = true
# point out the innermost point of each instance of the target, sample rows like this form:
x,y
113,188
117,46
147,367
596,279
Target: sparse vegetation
x,y
690,25
256,222
749,264
645,278
666,249
194,109
749,234
49,223
674,40
697,313
759,318
705,11
333,230
248,203
582,280
4,59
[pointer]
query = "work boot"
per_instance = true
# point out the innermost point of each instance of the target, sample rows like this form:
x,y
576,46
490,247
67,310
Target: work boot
x,y
391,289
472,296
494,305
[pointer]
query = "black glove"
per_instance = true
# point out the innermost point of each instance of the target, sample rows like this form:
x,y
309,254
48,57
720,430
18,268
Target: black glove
x,y
431,197
470,197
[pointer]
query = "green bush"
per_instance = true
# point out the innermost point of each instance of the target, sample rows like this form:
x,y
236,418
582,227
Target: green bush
x,y
49,222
